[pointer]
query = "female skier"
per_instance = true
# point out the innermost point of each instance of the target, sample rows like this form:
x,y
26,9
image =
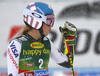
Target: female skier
x,y
28,54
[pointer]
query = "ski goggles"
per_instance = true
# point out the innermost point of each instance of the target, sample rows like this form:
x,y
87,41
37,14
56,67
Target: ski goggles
x,y
50,20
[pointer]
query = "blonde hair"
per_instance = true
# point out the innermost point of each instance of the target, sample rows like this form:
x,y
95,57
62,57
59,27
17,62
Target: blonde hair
x,y
24,30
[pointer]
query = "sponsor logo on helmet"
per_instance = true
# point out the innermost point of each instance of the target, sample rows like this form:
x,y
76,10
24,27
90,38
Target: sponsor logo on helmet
x,y
37,45
36,15
50,7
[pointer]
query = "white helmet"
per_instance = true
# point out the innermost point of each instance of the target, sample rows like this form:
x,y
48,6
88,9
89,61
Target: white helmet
x,y
37,13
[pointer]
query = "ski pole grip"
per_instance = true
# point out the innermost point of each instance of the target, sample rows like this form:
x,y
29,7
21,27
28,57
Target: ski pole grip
x,y
64,34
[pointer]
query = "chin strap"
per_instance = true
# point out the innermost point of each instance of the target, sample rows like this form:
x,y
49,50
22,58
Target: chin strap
x,y
42,35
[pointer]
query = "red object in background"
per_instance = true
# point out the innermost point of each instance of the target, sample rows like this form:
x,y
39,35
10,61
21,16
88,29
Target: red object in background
x,y
14,30
3,74
70,73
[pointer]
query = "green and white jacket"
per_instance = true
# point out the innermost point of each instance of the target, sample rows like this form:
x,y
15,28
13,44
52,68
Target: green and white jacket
x,y
28,57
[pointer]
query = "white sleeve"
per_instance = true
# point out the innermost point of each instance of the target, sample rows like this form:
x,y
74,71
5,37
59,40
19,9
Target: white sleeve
x,y
56,55
13,53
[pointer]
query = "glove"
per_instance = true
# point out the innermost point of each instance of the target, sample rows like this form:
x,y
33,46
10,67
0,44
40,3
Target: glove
x,y
69,31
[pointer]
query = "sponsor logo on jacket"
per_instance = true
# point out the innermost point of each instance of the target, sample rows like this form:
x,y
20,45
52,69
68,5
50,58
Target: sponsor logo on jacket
x,y
36,52
42,73
12,59
29,64
14,50
37,45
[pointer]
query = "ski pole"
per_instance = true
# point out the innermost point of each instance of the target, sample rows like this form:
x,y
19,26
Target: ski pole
x,y
67,51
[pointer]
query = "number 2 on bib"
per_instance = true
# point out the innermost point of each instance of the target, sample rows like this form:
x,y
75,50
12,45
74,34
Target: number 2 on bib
x,y
41,63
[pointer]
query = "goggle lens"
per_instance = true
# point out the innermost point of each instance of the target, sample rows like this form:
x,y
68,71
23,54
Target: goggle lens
x,y
50,20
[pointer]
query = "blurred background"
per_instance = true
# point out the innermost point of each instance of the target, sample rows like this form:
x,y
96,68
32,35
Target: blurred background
x,y
84,14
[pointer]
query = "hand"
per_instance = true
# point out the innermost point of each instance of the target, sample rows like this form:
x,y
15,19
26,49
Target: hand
x,y
69,31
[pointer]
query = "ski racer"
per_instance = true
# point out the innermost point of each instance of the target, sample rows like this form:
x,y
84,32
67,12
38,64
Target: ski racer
x,y
29,53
